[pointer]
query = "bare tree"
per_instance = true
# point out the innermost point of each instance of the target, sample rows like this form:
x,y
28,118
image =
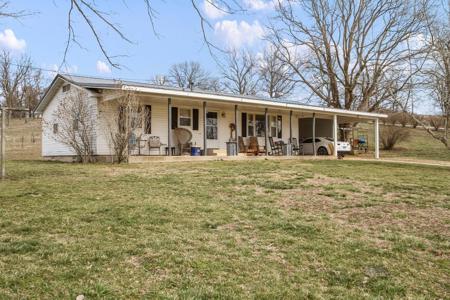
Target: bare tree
x,y
73,124
20,84
189,75
160,80
12,76
240,73
5,12
275,76
32,89
123,117
345,51
435,75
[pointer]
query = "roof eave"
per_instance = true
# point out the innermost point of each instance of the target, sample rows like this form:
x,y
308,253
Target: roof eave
x,y
238,99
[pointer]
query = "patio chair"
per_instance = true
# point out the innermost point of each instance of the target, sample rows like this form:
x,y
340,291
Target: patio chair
x,y
154,142
242,146
142,142
253,146
276,148
296,149
184,138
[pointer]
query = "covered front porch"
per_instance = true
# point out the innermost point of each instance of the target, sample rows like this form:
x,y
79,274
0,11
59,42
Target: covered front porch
x,y
188,127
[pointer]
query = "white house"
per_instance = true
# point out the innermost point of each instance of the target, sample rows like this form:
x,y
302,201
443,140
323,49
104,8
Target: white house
x,y
168,108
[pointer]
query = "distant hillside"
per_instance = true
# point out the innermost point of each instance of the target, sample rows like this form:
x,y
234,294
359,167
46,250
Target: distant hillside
x,y
23,139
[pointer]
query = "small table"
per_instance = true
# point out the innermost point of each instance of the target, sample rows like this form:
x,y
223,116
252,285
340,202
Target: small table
x,y
167,150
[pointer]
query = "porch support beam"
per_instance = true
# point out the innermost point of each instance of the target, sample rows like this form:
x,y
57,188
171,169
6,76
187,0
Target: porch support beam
x,y
169,127
290,126
335,135
265,131
377,138
314,133
236,128
205,149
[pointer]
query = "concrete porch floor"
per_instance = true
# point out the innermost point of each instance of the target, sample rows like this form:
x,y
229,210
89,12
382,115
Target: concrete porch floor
x,y
186,158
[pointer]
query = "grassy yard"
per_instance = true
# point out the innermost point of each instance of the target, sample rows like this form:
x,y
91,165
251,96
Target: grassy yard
x,y
264,229
419,145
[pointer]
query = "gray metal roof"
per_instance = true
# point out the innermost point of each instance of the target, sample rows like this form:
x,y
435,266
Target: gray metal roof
x,y
103,83
95,82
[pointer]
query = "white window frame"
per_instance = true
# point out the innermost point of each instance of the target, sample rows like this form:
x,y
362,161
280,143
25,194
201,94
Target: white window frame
x,y
217,125
278,125
250,118
190,117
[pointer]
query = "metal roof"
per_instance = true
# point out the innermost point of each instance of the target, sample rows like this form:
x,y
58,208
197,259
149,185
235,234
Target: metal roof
x,y
103,83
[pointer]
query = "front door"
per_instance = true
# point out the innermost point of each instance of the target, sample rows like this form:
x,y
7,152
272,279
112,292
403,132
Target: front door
x,y
212,133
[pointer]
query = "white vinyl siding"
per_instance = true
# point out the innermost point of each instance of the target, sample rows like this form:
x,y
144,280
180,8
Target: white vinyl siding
x,y
50,146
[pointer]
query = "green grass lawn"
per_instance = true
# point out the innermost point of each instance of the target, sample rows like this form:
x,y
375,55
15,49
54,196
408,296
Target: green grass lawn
x,y
419,145
247,229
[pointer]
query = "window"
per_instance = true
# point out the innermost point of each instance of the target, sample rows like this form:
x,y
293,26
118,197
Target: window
x,y
148,119
211,125
280,126
185,117
136,117
275,126
55,128
250,125
255,125
66,88
260,125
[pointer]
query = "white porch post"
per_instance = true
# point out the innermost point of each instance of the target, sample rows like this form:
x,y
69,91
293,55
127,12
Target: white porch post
x,y
314,134
236,128
290,126
2,145
169,127
377,138
204,130
265,132
335,135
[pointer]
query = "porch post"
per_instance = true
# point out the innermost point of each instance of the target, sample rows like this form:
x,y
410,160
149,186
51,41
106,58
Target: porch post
x,y
265,131
236,128
204,129
2,145
314,134
335,135
290,126
377,138
169,127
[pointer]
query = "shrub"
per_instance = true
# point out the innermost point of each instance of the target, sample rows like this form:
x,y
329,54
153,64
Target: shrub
x,y
392,135
436,122
414,121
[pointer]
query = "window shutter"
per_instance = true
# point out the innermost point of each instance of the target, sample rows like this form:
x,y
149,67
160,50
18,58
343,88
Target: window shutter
x,y
174,117
244,125
195,119
280,126
148,119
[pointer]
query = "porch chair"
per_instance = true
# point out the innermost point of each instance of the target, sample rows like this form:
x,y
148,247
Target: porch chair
x,y
296,149
154,142
242,146
253,146
184,138
142,142
275,148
